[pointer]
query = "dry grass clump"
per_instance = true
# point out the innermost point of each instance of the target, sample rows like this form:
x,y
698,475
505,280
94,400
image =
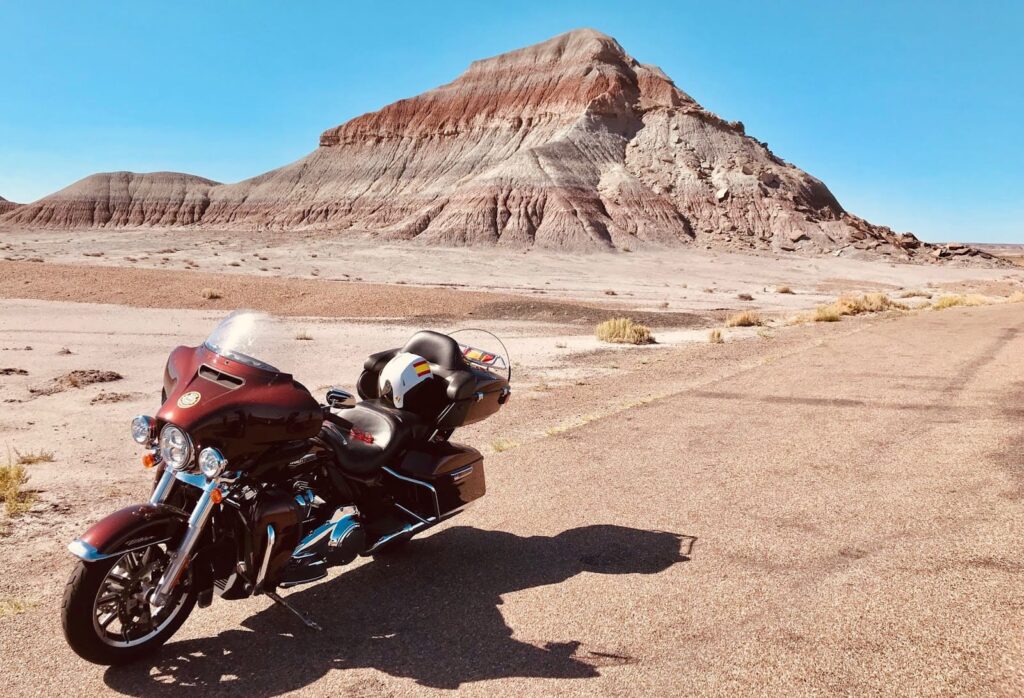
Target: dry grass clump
x,y
960,300
745,297
622,330
12,478
715,337
303,336
784,289
12,606
748,318
503,445
915,294
827,313
211,294
856,305
32,457
1016,297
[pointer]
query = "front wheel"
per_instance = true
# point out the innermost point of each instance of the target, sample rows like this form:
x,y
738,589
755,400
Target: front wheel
x,y
106,613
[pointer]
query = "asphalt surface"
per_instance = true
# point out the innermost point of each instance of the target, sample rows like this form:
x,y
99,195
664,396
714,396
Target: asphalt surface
x,y
837,510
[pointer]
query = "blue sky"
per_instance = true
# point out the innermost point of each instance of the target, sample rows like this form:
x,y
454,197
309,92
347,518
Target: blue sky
x,y
911,112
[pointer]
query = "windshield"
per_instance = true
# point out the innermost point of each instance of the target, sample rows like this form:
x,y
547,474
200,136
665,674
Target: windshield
x,y
247,337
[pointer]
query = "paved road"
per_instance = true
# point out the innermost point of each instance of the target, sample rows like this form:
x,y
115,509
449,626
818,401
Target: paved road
x,y
838,510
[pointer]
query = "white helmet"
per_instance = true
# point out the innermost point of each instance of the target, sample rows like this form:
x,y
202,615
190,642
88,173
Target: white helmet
x,y
402,374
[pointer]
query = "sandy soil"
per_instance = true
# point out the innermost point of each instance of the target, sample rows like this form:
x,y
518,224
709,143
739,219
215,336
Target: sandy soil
x,y
802,509
767,515
685,279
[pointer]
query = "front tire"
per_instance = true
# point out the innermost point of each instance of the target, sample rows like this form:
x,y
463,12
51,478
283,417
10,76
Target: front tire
x,y
106,615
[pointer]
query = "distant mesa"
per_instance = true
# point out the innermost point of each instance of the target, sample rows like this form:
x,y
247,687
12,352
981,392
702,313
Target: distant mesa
x,y
568,144
6,205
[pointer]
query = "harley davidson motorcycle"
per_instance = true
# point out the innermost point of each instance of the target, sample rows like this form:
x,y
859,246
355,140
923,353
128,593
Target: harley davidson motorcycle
x,y
259,487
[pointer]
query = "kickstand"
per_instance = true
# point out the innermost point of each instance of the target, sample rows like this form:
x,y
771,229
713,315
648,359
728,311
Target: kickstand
x,y
298,614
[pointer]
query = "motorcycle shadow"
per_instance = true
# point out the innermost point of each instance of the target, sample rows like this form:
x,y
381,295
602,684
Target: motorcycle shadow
x,y
430,613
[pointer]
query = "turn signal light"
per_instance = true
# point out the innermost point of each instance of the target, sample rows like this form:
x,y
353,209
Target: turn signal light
x,y
149,460
216,496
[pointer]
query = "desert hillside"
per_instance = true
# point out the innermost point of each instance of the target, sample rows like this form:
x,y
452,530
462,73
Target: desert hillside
x,y
567,144
6,205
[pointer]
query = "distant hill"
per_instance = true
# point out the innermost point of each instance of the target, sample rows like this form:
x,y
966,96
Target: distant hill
x,y
568,144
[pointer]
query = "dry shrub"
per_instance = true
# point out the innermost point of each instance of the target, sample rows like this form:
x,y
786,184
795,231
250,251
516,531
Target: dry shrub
x,y
503,445
784,289
826,313
33,457
211,294
856,305
304,336
915,294
624,331
715,337
1016,297
745,297
12,478
960,300
748,318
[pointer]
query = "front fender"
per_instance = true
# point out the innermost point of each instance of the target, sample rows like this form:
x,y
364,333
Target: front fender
x,y
128,529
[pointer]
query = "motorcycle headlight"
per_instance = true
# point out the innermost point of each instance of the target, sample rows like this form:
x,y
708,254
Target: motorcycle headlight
x,y
142,429
175,447
211,462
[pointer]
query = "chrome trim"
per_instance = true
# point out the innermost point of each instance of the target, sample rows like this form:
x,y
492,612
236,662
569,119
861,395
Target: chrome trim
x,y
412,513
271,538
337,531
462,473
193,479
407,529
437,504
86,552
180,557
162,489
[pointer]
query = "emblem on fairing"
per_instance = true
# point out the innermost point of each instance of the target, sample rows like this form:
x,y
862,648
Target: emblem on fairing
x,y
189,399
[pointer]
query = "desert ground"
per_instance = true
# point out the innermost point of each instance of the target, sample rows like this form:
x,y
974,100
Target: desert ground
x,y
804,508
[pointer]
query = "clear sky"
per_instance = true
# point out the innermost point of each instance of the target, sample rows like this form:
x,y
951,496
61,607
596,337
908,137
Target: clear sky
x,y
911,112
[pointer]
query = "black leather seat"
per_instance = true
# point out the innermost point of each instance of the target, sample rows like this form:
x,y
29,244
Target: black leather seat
x,y
370,435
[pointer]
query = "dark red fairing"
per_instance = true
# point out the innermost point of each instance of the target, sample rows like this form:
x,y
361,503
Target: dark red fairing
x,y
241,410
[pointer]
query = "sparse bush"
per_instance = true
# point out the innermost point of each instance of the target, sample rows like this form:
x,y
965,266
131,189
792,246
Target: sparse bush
x,y
745,297
1016,297
959,300
856,305
31,458
12,478
715,337
748,318
624,331
784,289
210,294
503,445
827,313
303,336
610,292
915,294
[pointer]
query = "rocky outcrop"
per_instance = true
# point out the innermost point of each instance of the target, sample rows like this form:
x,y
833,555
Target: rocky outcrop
x,y
120,199
568,144
6,205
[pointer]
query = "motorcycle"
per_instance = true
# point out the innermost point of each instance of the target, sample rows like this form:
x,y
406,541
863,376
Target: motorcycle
x,y
258,487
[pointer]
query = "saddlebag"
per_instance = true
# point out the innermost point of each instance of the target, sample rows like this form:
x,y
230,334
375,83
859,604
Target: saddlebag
x,y
454,471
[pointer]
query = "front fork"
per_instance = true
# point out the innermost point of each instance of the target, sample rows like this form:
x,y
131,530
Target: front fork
x,y
196,523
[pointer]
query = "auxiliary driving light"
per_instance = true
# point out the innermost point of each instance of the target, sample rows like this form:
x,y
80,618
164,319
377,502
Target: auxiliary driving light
x,y
143,429
211,463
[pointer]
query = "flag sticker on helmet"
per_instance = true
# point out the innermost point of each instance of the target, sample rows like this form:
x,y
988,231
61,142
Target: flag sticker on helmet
x,y
422,368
